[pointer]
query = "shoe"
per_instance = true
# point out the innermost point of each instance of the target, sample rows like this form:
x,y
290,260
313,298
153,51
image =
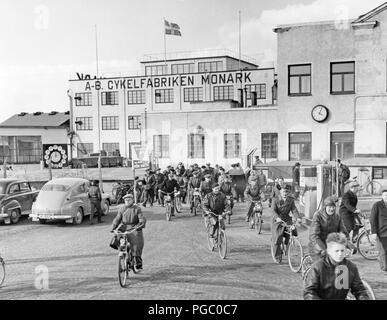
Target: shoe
x,y
172,214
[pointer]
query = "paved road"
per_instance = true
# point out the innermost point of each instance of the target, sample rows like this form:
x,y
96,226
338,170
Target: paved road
x,y
177,262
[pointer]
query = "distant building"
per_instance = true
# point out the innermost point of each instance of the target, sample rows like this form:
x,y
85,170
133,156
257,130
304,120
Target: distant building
x,y
27,137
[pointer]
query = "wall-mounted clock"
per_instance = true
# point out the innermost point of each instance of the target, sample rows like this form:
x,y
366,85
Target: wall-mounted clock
x,y
56,155
320,113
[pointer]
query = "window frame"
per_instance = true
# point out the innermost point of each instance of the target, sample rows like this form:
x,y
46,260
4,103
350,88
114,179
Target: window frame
x,y
116,120
196,92
86,144
300,76
136,97
135,123
218,66
162,98
342,78
83,102
216,95
237,145
191,154
163,152
191,67
289,144
84,127
258,85
331,133
104,144
104,99
271,151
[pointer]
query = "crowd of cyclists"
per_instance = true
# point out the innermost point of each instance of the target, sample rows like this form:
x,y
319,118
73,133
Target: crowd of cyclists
x,y
328,234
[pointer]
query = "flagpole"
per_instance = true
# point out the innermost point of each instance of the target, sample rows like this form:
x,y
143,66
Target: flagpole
x,y
96,48
165,45
240,40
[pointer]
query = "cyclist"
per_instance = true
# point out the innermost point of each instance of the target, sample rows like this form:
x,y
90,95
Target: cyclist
x,y
168,186
160,178
325,221
278,185
331,277
226,188
194,183
283,206
206,185
130,217
253,192
215,202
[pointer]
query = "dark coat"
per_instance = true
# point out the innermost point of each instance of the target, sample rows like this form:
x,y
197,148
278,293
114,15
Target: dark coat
x,y
322,278
160,178
169,185
194,182
253,193
206,187
149,182
296,176
217,203
378,219
322,225
226,188
94,194
348,203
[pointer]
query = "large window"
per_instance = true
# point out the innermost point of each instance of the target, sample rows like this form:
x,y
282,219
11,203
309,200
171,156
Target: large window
x,y
342,77
379,173
83,149
109,98
193,94
83,99
210,66
110,147
136,97
260,89
110,123
164,95
183,68
269,145
345,145
134,122
299,81
224,93
156,70
196,146
232,145
161,146
300,146
21,149
84,123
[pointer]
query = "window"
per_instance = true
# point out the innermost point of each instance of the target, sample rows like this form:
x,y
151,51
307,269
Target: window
x,y
84,123
14,188
299,82
84,99
83,149
134,122
164,95
210,66
269,143
110,146
379,173
161,146
224,93
24,187
156,70
136,97
193,94
300,146
109,98
183,68
342,77
21,149
110,123
260,89
232,145
130,147
196,146
345,145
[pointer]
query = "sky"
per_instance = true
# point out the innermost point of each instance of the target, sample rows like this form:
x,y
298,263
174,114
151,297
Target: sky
x,y
45,43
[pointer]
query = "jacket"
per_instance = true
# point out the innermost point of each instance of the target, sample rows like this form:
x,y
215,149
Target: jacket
x,y
282,209
378,219
217,203
149,182
94,193
194,183
322,225
128,218
206,187
253,193
226,188
296,176
322,281
169,185
262,180
160,178
348,203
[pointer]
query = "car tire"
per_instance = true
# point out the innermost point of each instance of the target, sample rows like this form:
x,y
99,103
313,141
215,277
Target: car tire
x,y
77,220
15,216
105,208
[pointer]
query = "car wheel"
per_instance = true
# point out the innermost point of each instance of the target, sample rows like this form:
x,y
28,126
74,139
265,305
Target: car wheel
x,y
78,217
105,208
15,216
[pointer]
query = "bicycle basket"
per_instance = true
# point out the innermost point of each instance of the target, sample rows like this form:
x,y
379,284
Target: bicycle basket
x,y
114,243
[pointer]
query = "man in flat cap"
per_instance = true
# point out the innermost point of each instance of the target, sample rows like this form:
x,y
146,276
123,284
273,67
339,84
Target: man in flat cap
x,y
348,211
95,197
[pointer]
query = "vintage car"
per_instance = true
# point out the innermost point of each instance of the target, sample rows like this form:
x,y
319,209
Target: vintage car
x,y
16,198
65,199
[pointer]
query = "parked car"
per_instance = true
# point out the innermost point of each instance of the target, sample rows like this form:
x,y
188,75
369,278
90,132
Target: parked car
x,y
16,198
65,199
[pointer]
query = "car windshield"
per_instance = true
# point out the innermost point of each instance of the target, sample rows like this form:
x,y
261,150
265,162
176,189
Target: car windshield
x,y
56,187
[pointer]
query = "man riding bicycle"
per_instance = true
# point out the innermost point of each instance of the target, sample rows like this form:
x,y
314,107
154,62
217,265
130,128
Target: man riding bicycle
x,y
216,203
284,209
253,193
194,183
130,217
168,186
206,185
226,188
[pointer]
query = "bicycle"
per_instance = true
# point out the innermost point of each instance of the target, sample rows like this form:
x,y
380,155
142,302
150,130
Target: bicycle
x,y
307,262
196,201
2,270
125,258
177,201
256,220
366,242
229,199
370,186
168,204
219,240
120,189
293,250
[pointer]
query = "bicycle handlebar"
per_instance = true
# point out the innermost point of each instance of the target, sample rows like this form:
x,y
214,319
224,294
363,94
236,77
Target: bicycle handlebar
x,y
123,233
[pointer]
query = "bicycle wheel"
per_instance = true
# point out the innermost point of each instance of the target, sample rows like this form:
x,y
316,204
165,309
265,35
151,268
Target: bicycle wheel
x,y
206,222
178,204
273,253
306,263
374,188
306,276
2,271
368,288
222,243
210,241
367,247
258,224
122,270
295,255
168,211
